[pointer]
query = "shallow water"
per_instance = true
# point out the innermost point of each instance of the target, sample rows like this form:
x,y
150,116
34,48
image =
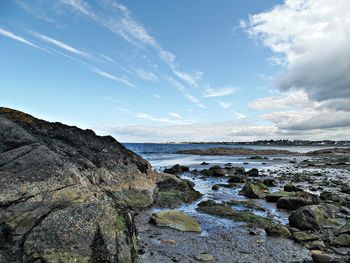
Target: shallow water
x,y
162,156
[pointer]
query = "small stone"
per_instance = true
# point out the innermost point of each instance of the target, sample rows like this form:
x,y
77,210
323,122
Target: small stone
x,y
168,241
204,257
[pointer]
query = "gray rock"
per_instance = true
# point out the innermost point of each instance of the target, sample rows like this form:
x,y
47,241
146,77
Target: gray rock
x,y
65,193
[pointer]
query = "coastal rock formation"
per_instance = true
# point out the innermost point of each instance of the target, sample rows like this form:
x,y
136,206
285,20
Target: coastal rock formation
x,y
67,194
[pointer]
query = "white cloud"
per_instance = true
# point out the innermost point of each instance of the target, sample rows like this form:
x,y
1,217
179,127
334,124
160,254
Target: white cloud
x,y
225,105
111,77
296,99
176,115
62,45
149,117
20,39
313,38
220,92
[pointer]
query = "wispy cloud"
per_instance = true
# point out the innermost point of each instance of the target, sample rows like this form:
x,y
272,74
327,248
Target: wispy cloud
x,y
185,92
225,105
149,117
147,75
20,39
62,45
38,14
195,101
121,22
220,92
111,77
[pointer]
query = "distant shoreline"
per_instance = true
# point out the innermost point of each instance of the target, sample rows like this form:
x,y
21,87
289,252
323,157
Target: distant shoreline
x,y
272,144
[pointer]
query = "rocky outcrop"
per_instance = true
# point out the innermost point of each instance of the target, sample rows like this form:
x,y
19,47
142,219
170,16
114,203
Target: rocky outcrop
x,y
67,195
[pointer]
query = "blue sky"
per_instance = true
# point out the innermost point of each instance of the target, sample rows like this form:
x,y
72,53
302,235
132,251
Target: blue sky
x,y
164,70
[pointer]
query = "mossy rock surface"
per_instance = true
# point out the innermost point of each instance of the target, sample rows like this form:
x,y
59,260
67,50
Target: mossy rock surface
x,y
221,210
273,197
174,191
254,190
176,220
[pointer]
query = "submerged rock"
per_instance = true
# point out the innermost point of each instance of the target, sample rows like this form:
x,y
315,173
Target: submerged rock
x,y
254,190
66,192
175,219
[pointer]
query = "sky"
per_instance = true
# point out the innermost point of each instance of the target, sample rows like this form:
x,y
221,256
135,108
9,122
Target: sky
x,y
174,71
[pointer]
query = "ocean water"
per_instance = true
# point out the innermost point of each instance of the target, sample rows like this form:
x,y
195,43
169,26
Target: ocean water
x,y
164,155
161,156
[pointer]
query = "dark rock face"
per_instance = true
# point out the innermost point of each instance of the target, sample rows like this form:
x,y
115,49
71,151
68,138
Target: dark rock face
x,y
66,192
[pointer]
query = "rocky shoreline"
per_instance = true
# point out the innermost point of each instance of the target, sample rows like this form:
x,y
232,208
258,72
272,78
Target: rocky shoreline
x,y
311,189
69,195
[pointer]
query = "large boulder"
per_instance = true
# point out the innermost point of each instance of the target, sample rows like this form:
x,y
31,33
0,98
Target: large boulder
x,y
312,217
175,219
67,195
254,190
